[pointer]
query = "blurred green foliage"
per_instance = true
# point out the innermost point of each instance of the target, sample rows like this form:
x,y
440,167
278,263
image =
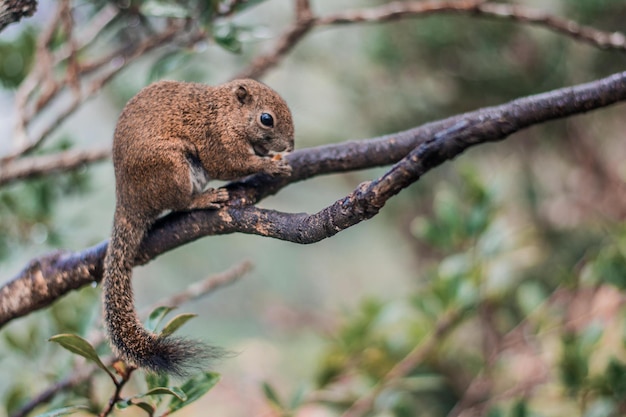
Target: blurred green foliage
x,y
16,58
474,280
73,316
26,208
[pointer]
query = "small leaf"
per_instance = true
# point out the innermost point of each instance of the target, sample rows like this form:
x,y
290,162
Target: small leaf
x,y
520,409
298,398
17,396
63,411
156,316
164,9
243,5
79,346
122,405
226,36
176,323
194,388
156,380
159,392
168,63
271,395
146,407
530,295
174,391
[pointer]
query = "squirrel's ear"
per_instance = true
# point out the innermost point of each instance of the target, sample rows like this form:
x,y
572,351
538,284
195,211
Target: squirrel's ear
x,y
242,95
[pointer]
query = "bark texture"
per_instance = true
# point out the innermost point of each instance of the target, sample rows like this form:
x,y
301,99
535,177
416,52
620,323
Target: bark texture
x,y
413,153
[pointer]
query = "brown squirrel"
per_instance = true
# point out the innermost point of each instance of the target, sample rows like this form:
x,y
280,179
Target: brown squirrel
x,y
170,140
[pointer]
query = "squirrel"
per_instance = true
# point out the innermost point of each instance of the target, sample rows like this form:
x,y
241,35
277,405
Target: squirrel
x,y
170,140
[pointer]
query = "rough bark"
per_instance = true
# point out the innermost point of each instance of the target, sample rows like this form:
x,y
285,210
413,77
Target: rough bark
x,y
13,10
413,152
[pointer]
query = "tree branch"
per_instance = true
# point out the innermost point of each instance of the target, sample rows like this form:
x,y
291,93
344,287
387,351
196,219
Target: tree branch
x,y
304,21
36,166
414,152
481,8
12,11
82,373
397,10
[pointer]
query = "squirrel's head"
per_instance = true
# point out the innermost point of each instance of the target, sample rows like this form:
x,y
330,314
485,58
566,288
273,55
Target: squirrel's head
x,y
266,120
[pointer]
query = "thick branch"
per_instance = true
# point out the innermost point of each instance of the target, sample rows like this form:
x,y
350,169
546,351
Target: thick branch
x,y
414,153
13,10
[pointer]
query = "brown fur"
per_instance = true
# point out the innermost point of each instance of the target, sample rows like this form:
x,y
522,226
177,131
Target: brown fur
x,y
170,139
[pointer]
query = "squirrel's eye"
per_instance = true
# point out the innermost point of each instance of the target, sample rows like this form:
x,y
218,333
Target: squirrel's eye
x,y
267,120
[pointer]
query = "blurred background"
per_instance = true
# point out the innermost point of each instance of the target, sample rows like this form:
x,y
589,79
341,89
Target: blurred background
x,y
515,250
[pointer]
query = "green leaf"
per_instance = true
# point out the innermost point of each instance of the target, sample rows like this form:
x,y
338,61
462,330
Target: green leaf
x,y
590,336
530,295
168,63
156,316
520,409
146,407
122,405
156,380
573,364
227,37
21,341
272,396
615,375
16,58
63,411
17,396
243,5
164,9
194,388
79,346
298,398
176,323
173,391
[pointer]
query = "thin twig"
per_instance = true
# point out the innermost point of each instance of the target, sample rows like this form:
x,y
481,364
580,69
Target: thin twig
x,y
413,9
197,290
49,393
117,394
521,14
305,20
419,354
207,286
41,79
37,166
303,23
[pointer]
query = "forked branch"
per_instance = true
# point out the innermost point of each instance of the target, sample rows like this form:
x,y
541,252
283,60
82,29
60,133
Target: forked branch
x,y
414,153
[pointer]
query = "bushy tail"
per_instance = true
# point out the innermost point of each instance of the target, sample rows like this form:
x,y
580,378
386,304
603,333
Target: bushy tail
x,y
129,339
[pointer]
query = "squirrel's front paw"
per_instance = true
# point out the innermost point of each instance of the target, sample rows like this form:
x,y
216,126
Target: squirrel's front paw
x,y
280,168
211,198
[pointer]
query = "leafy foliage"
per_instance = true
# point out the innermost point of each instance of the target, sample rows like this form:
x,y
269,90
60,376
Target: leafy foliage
x,y
491,308
158,394
27,209
16,58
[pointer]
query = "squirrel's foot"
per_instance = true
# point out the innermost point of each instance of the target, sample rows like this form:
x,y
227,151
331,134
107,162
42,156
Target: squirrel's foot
x,y
211,198
279,168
